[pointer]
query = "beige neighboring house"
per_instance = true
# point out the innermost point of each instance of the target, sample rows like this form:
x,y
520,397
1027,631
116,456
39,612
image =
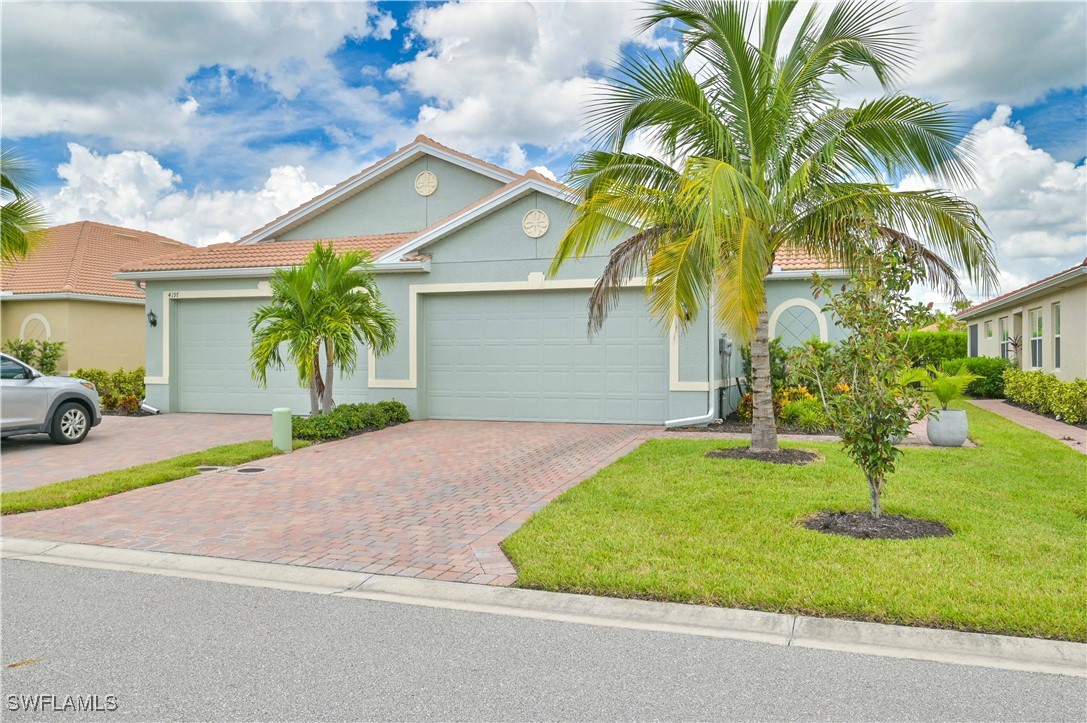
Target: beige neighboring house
x,y
1040,326
65,290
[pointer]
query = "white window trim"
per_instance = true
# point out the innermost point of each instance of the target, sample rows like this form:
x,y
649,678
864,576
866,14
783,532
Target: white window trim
x,y
35,317
1040,337
1054,313
824,329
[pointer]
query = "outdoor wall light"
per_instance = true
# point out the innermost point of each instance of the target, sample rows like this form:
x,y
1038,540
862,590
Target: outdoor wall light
x,y
152,319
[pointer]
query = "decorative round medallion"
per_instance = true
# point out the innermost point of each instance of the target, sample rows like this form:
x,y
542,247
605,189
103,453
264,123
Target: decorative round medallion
x,y
535,223
426,183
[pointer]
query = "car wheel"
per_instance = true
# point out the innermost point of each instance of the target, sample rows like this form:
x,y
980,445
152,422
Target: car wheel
x,y
70,423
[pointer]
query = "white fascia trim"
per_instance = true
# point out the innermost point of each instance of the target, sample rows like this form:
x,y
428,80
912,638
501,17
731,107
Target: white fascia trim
x,y
72,297
1018,296
263,290
528,185
391,163
806,274
535,282
256,271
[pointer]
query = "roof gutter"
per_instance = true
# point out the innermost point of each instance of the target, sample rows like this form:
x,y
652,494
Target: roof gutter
x,y
711,388
257,271
1015,296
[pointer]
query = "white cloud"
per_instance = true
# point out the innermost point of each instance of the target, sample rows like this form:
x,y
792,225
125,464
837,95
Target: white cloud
x,y
499,74
133,189
117,70
1034,204
545,172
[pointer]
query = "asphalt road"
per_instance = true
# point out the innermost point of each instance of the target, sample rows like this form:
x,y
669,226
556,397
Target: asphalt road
x,y
179,649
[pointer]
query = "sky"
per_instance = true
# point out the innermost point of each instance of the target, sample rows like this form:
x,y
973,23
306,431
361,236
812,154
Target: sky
x,y
204,120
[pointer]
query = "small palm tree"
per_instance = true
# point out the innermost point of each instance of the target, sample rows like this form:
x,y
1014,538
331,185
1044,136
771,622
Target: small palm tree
x,y
330,302
22,216
764,157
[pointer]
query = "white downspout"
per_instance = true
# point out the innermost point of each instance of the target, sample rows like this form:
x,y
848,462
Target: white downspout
x,y
711,346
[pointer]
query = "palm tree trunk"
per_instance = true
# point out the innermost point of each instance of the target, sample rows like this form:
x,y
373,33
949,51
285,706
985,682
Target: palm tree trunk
x,y
326,399
318,383
764,435
314,404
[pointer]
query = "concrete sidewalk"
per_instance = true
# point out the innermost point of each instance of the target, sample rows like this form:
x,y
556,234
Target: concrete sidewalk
x,y
1072,436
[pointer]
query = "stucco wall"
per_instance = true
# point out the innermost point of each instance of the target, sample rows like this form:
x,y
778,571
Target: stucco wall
x,y
1073,302
392,204
95,333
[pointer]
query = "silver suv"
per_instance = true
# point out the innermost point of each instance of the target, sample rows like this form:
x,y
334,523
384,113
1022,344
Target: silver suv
x,y
33,403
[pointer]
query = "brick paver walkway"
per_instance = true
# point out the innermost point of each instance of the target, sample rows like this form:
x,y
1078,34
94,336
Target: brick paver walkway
x,y
430,499
120,442
1074,437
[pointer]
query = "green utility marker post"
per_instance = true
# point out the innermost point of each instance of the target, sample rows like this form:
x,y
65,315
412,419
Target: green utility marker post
x,y
281,429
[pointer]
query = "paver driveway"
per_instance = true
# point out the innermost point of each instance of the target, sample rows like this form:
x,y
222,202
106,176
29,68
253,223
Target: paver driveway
x,y
430,499
120,442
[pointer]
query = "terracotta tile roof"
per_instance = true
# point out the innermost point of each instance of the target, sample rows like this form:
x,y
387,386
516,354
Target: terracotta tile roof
x,y
792,258
1016,292
264,255
418,139
81,258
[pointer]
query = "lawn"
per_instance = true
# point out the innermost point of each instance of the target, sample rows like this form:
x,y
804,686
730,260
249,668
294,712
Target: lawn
x,y
665,523
104,484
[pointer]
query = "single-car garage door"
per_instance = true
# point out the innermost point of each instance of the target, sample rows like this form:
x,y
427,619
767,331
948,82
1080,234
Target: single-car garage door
x,y
213,372
525,356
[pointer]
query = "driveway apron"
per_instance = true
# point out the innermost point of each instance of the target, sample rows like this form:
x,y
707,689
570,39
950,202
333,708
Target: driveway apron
x,y
428,499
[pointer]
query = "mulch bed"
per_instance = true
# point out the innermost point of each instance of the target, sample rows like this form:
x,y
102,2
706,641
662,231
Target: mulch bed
x,y
735,426
863,526
115,413
1032,410
781,456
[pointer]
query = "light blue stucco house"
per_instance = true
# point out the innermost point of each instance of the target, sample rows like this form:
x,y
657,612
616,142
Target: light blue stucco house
x,y
461,248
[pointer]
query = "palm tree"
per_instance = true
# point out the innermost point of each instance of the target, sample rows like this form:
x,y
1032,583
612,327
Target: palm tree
x,y
22,216
763,156
330,302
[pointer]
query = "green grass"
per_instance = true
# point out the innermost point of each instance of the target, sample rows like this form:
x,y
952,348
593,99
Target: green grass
x,y
665,523
104,484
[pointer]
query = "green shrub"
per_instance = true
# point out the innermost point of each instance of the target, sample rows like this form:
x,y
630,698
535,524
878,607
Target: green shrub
x,y
778,356
989,369
808,414
128,404
42,355
1047,394
348,419
116,385
931,348
21,350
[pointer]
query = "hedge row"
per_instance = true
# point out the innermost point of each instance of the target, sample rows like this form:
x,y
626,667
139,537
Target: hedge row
x,y
990,370
120,390
348,419
933,347
1047,394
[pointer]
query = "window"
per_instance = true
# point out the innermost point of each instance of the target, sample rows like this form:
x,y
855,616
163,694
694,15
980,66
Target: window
x,y
11,369
1057,335
1035,338
973,343
988,330
1005,338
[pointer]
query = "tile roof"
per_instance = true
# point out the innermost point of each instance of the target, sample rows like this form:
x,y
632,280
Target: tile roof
x,y
81,258
264,255
792,258
997,299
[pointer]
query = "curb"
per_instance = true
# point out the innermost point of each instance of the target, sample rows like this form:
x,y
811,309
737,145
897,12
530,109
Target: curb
x,y
945,646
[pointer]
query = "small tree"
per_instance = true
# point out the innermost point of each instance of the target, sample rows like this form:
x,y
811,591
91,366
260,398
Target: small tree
x,y
880,400
330,302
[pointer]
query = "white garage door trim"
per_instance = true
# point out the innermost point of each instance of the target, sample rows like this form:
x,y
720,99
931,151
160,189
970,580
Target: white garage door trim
x,y
535,282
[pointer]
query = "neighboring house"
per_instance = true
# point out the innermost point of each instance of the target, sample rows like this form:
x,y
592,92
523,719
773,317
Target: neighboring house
x,y
65,290
461,248
1040,326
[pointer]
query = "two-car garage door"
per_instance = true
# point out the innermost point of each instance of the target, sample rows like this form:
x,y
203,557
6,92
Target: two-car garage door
x,y
489,356
526,356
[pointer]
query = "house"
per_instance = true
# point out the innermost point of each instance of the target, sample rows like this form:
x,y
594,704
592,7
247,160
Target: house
x,y
461,249
1040,326
65,290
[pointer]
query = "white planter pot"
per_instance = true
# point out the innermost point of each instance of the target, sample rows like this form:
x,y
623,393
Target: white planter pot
x,y
947,427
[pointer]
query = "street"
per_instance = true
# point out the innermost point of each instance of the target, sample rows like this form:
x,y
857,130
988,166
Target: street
x,y
180,649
